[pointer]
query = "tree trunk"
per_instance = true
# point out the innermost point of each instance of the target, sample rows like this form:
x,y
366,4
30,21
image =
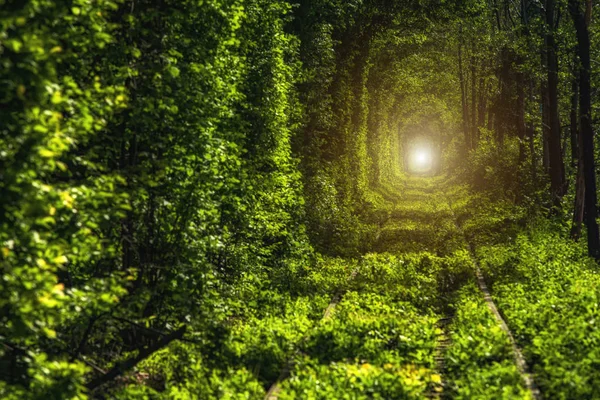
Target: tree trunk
x,y
531,137
503,106
473,102
463,95
573,116
490,121
531,134
579,206
521,128
556,165
481,107
586,132
545,127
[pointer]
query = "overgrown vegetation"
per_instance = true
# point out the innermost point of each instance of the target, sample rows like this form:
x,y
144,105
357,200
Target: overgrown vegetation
x,y
197,197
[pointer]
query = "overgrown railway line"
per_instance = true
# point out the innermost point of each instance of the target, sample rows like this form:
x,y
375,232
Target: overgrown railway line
x,y
417,247
443,342
519,359
275,388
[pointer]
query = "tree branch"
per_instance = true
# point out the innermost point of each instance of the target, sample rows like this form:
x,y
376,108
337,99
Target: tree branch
x,y
124,366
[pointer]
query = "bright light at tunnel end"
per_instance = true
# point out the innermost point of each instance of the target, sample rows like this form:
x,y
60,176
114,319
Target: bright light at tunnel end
x,y
420,160
422,157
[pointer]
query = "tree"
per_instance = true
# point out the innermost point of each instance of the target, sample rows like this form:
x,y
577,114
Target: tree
x,y
556,166
585,121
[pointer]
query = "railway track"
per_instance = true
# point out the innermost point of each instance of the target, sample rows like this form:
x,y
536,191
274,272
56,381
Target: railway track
x,y
275,388
438,390
519,359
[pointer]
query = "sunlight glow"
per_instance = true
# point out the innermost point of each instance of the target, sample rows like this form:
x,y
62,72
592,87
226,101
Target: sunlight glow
x,y
422,157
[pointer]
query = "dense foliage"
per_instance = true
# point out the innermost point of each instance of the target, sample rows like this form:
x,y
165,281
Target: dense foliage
x,y
147,181
212,199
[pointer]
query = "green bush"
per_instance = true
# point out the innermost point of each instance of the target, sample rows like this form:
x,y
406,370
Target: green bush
x,y
548,290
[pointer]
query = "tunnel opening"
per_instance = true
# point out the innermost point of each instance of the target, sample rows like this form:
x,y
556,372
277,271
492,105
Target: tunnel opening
x,y
421,154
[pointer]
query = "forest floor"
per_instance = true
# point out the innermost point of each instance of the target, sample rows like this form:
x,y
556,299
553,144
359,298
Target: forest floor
x,y
412,321
462,295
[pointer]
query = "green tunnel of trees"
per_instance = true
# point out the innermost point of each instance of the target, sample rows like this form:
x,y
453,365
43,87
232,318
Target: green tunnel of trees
x,y
164,164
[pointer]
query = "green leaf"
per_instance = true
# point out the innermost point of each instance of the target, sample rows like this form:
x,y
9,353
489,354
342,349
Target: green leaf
x,y
173,71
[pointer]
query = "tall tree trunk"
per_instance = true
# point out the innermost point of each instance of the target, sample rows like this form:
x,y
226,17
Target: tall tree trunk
x,y
521,128
463,94
531,134
481,107
490,121
573,115
502,108
556,164
586,132
579,206
545,127
531,137
473,100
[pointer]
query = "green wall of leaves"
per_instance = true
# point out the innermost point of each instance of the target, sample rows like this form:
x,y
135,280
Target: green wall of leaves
x,y
158,158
